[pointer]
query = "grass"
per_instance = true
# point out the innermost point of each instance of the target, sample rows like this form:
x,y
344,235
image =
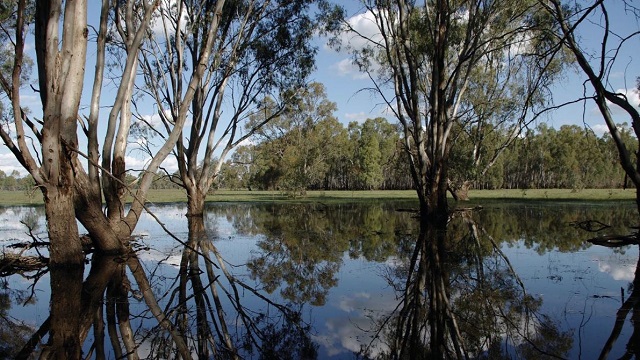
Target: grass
x,y
13,198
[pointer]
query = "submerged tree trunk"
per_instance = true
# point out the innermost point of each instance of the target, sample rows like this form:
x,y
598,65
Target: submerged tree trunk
x,y
460,192
66,293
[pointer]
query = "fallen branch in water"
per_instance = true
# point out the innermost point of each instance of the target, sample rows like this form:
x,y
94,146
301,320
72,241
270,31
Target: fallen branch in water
x,y
590,225
615,240
15,263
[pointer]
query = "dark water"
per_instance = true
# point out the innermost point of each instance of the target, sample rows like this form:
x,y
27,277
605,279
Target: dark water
x,y
324,281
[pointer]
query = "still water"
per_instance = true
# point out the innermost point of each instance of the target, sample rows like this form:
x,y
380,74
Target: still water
x,y
512,280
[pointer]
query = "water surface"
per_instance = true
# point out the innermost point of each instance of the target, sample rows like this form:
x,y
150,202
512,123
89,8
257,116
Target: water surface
x,y
328,281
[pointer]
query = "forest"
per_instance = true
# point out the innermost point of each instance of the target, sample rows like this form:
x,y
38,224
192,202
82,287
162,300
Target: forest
x,y
322,154
369,156
319,152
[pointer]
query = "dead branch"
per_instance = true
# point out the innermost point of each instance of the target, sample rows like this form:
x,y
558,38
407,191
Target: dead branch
x,y
614,241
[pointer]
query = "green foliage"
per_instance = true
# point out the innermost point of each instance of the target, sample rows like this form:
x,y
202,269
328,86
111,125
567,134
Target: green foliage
x,y
370,156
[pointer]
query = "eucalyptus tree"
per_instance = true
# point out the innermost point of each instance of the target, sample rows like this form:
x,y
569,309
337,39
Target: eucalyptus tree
x,y
295,149
60,80
597,67
507,92
49,149
422,58
262,49
376,151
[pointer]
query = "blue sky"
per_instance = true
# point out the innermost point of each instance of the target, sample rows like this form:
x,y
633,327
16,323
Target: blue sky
x,y
344,83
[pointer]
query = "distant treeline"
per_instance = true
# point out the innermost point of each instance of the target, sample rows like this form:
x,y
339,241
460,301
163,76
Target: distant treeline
x,y
370,155
15,182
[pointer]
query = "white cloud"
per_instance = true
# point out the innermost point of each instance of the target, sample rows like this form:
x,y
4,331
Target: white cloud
x,y
360,32
600,129
9,163
136,163
162,19
171,164
632,96
359,117
153,120
364,31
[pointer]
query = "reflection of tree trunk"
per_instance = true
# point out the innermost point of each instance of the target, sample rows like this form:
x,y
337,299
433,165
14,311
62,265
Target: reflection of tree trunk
x,y
66,293
426,301
147,293
199,243
74,306
99,335
121,287
631,304
197,236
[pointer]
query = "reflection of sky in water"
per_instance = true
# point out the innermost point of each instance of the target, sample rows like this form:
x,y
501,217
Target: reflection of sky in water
x,y
615,267
580,290
10,226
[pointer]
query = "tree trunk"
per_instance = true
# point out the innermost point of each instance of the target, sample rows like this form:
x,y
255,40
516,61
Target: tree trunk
x,y
460,192
107,237
195,202
65,248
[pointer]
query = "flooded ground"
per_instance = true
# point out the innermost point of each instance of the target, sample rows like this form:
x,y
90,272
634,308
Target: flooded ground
x,y
517,280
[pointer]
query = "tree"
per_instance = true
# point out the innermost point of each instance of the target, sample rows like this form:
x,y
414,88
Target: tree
x,y
262,50
422,61
597,69
370,157
374,153
70,189
295,148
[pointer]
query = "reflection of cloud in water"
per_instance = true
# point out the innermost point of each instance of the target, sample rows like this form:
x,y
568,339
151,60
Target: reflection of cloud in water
x,y
171,258
348,334
358,301
618,271
10,225
353,328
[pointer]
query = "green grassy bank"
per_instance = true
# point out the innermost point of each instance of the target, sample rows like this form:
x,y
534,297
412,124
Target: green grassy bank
x,y
11,198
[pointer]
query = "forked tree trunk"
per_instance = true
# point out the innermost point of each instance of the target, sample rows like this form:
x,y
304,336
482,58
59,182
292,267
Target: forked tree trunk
x,y
460,192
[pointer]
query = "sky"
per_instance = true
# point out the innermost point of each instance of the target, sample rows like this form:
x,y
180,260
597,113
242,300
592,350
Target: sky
x,y
344,83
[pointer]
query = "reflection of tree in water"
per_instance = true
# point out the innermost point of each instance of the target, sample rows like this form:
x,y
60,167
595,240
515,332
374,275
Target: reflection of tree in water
x,y
300,250
460,298
206,306
302,245
201,316
544,226
13,333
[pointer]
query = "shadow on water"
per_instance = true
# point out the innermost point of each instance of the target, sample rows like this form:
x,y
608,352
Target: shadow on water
x,y
454,289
